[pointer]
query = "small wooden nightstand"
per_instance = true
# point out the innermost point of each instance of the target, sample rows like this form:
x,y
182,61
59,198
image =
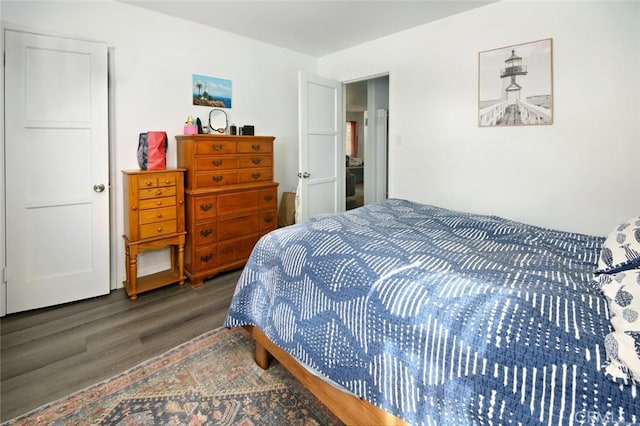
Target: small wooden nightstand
x,y
153,219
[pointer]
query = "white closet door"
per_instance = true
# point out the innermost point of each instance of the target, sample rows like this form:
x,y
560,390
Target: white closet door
x,y
57,170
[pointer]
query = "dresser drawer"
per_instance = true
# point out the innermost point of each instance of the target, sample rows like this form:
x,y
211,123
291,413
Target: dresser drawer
x,y
268,221
238,226
157,192
216,179
204,207
204,233
154,203
215,147
253,161
255,175
204,164
205,258
238,202
157,229
257,146
268,198
157,215
236,250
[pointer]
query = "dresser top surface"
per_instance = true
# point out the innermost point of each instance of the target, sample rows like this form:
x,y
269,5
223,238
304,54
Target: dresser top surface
x,y
226,137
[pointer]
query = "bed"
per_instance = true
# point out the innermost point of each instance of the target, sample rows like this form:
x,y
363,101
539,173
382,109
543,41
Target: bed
x,y
400,312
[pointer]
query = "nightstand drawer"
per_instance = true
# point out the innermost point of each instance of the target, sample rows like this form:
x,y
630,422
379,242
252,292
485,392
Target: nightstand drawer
x,y
156,229
157,215
153,180
154,203
157,192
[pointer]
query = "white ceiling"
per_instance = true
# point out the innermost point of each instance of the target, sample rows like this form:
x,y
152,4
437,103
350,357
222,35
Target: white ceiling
x,y
315,28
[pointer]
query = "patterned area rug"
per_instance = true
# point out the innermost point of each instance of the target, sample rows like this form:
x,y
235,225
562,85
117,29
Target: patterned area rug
x,y
210,380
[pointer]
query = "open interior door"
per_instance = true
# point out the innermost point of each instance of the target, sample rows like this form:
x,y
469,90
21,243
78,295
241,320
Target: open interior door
x,y
321,182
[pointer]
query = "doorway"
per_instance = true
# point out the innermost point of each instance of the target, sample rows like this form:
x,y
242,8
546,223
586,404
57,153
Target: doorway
x,y
366,141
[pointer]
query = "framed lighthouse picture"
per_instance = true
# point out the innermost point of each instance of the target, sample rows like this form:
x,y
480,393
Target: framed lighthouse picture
x,y
515,85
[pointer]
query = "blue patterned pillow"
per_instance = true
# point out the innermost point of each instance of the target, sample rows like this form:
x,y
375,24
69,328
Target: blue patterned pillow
x,y
623,344
621,249
622,367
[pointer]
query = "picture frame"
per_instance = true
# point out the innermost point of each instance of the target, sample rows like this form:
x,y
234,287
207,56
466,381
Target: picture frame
x,y
515,85
211,91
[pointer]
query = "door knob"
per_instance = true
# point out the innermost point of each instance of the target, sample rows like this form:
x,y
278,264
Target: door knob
x,y
99,187
304,175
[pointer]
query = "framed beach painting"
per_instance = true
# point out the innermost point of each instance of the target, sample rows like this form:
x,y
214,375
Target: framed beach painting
x,y
515,85
211,91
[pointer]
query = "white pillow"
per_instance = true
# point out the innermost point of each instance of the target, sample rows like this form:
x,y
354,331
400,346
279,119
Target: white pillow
x,y
621,249
623,344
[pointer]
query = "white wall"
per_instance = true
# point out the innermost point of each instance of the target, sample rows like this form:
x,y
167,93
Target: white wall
x,y
580,174
154,57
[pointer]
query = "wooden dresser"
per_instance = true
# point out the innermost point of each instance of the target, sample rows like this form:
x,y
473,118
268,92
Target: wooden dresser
x,y
231,200
153,219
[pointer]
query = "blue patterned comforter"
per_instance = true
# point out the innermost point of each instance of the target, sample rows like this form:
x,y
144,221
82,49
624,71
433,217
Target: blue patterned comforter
x,y
440,317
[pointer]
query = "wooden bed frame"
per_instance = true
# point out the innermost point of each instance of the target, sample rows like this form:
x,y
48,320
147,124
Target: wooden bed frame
x,y
349,408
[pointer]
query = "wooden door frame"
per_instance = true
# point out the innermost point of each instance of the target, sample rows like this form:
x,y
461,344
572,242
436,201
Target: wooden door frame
x,y
3,259
372,172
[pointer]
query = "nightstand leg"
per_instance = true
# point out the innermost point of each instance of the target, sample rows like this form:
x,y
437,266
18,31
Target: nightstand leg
x,y
127,256
133,274
181,263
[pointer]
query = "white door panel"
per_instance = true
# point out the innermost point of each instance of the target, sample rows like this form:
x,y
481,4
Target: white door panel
x,y
321,147
56,150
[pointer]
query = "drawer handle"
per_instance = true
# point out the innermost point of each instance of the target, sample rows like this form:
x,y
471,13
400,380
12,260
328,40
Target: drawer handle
x,y
149,183
268,197
206,232
158,203
158,192
159,215
206,207
217,147
255,147
256,161
206,257
167,182
159,229
217,178
217,163
255,175
268,219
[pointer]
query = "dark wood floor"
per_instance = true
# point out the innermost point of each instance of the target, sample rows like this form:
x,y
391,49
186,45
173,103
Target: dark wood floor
x,y
49,353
